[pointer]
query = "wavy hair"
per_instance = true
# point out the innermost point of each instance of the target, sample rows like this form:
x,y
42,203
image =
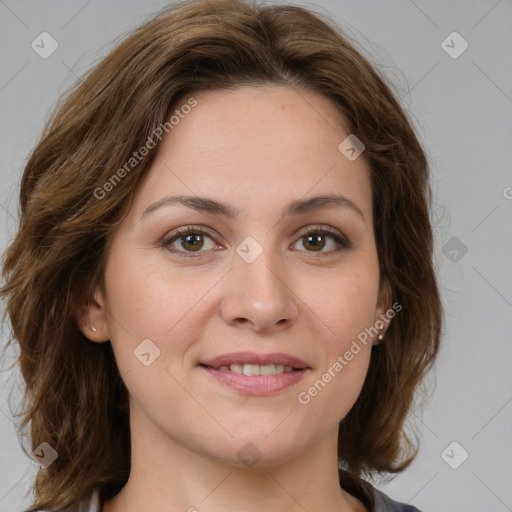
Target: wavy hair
x,y
74,397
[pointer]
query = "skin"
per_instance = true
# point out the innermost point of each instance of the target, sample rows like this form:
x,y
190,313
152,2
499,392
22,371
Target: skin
x,y
258,149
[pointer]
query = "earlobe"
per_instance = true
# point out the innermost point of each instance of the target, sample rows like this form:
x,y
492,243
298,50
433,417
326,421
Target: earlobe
x,y
91,318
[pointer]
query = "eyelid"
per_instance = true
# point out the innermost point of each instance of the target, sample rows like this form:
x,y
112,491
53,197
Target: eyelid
x,y
192,228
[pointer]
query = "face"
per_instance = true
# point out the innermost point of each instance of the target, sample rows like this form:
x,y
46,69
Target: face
x,y
265,281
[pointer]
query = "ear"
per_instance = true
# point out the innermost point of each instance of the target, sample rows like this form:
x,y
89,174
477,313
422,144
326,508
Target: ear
x,y
383,305
93,315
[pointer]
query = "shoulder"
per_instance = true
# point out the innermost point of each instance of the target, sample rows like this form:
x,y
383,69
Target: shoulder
x,y
383,503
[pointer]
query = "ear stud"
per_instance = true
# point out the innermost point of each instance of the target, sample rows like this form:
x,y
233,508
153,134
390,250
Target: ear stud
x,y
93,329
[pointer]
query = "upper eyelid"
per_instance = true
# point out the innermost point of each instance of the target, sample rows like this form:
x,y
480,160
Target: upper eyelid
x,y
209,231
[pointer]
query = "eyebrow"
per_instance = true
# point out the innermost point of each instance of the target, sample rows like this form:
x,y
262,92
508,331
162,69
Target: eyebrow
x,y
213,207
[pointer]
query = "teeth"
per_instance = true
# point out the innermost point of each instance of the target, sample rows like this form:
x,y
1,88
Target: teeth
x,y
237,368
251,369
269,369
254,369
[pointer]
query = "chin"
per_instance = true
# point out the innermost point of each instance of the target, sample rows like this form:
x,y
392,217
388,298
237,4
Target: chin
x,y
256,449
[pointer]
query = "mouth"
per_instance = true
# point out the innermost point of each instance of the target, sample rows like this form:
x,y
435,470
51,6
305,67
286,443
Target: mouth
x,y
256,374
255,369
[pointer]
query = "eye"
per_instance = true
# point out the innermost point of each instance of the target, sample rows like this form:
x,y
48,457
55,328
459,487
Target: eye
x,y
191,239
314,238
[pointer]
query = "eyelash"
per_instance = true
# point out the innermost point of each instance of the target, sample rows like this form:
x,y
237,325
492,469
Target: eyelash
x,y
341,242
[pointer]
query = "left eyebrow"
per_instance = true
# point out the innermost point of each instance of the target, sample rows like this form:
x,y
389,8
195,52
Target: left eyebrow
x,y
213,207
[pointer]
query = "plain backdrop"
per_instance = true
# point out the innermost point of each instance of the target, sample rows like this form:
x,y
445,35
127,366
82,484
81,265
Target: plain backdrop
x,y
460,100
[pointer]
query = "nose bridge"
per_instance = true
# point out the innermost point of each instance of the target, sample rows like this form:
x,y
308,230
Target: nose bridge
x,y
258,266
259,292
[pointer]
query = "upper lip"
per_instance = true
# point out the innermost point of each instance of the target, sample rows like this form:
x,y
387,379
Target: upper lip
x,y
255,358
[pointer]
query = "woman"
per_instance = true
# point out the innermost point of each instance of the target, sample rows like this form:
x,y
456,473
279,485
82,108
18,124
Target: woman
x,y
222,282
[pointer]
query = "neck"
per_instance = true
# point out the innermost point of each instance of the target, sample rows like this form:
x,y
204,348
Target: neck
x,y
167,476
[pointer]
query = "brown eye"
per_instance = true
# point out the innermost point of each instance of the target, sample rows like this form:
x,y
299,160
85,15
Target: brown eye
x,y
187,240
194,242
315,240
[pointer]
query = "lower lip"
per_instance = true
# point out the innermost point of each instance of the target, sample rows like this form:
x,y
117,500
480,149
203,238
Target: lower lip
x,y
257,384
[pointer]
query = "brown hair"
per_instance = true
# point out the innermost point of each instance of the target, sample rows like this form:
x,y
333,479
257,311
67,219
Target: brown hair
x,y
76,399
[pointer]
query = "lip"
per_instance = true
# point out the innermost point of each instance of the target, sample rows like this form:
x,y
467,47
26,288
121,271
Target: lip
x,y
257,384
255,358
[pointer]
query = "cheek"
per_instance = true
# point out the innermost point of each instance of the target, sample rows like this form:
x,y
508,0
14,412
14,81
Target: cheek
x,y
142,299
145,303
348,308
150,300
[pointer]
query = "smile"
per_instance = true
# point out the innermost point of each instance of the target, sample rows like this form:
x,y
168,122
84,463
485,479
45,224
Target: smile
x,y
256,374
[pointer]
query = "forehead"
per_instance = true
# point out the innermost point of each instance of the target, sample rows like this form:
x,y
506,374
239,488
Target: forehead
x,y
268,114
253,144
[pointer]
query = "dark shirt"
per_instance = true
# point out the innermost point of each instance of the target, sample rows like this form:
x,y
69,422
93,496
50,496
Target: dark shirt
x,y
373,499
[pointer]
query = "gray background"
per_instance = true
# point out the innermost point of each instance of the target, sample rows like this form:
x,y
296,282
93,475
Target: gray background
x,y
462,110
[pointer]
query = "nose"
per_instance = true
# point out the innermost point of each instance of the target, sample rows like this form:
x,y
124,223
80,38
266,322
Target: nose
x,y
259,295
